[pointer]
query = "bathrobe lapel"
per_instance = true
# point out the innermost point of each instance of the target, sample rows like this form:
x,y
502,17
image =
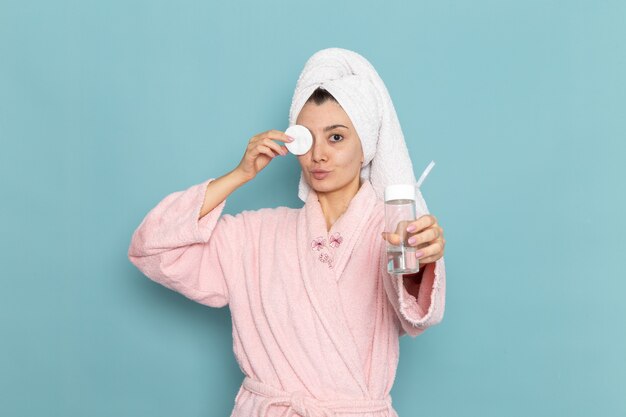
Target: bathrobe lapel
x,y
323,256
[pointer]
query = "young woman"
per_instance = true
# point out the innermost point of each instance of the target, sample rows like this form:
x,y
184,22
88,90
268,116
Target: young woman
x,y
316,317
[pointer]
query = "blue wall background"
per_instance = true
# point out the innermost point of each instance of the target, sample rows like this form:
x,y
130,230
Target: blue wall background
x,y
106,107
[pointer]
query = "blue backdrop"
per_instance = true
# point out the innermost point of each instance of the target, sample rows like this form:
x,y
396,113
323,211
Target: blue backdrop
x,y
106,107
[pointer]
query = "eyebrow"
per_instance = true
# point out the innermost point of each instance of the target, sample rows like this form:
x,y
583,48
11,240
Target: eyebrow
x,y
326,129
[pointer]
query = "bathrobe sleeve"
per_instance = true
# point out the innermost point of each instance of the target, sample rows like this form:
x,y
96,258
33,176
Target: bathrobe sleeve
x,y
417,313
190,256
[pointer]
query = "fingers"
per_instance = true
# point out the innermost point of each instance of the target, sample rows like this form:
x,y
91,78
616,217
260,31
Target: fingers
x,y
424,234
275,134
424,229
429,235
262,149
280,150
265,145
392,238
431,253
426,253
427,220
266,140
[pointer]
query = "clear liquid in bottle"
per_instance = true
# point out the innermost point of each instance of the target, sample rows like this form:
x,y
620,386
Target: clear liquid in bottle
x,y
402,260
399,214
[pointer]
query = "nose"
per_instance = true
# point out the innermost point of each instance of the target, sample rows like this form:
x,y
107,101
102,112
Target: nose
x,y
318,150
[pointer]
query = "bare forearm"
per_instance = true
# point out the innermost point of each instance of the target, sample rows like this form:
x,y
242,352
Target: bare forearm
x,y
219,189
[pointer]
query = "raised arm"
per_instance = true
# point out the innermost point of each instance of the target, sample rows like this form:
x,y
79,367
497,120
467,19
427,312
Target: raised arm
x,y
418,299
185,244
218,190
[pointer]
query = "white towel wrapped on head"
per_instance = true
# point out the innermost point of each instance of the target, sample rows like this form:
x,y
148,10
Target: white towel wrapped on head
x,y
360,91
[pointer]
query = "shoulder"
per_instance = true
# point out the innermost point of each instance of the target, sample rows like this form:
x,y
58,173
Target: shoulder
x,y
263,216
377,216
254,225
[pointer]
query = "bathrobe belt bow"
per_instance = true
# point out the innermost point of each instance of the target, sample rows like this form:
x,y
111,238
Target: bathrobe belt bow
x,y
306,406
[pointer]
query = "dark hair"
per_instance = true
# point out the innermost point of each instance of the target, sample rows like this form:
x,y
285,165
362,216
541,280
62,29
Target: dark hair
x,y
320,96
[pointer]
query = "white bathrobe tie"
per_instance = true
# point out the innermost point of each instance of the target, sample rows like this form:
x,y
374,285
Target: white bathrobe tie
x,y
306,406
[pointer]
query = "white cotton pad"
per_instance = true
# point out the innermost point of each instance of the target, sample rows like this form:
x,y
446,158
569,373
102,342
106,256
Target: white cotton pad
x,y
303,140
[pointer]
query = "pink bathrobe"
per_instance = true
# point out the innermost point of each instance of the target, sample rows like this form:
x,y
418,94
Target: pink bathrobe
x,y
316,317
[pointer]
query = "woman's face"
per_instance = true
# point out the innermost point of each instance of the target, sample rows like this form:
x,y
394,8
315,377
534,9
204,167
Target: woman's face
x,y
336,147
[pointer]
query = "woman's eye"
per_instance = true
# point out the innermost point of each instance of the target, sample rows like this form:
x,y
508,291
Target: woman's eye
x,y
334,137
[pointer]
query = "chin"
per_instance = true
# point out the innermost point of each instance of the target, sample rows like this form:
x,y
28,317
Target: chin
x,y
325,186
319,186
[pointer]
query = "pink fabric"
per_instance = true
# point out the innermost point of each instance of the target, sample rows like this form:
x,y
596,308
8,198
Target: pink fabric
x,y
315,314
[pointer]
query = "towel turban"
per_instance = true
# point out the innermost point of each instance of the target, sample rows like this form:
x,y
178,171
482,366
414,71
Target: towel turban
x,y
360,91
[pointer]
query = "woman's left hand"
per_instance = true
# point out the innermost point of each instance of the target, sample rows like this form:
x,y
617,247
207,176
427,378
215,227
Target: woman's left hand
x,y
427,236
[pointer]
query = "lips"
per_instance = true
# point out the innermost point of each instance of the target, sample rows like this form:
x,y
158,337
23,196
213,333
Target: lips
x,y
319,174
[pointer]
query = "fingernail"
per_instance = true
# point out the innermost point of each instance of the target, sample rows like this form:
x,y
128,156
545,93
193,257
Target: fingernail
x,y
412,240
419,254
411,228
290,139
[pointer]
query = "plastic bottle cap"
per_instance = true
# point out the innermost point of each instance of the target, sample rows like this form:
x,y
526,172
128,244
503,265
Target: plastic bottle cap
x,y
303,140
400,192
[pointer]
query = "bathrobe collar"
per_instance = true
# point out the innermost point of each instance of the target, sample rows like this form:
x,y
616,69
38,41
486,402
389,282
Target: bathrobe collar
x,y
323,256
332,248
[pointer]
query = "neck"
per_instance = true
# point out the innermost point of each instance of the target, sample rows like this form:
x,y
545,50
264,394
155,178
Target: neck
x,y
335,203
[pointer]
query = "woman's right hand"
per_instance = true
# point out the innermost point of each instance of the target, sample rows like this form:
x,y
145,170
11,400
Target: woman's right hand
x,y
260,151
